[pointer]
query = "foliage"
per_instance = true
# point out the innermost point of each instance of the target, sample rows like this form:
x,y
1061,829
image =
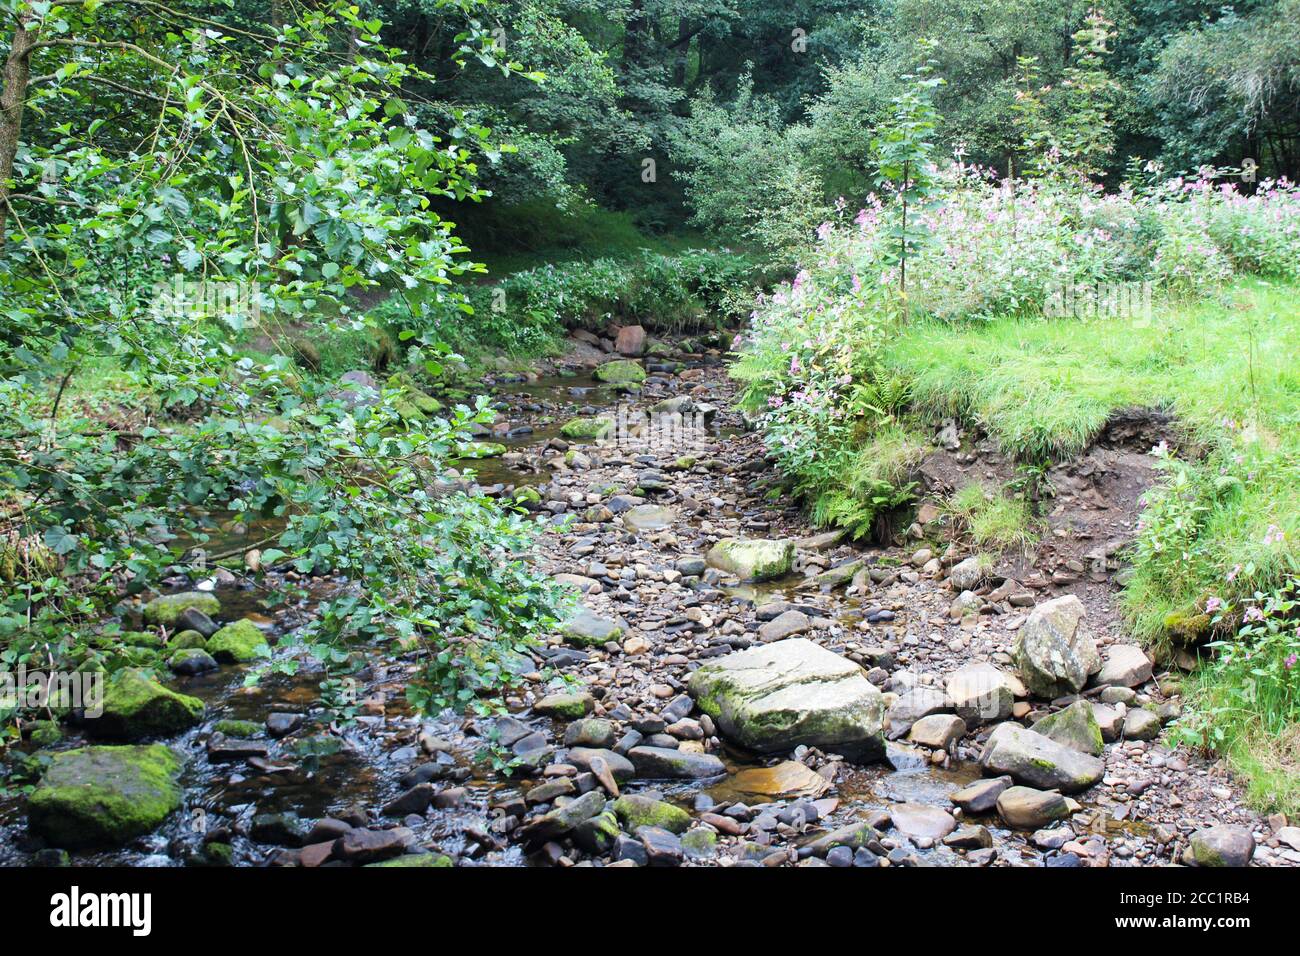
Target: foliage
x,y
905,174
276,171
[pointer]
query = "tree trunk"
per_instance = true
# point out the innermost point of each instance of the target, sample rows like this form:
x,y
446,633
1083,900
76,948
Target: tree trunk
x,y
13,94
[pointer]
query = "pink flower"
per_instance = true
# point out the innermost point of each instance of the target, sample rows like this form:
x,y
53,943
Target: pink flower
x,y
1212,604
1254,614
1290,661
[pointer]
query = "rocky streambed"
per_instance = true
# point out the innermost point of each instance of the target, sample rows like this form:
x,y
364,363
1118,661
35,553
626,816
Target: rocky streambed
x,y
736,689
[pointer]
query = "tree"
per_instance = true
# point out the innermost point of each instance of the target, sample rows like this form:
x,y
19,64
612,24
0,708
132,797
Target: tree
x,y
905,170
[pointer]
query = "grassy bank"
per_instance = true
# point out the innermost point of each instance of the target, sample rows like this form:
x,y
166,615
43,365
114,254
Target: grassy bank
x,y
849,378
1217,542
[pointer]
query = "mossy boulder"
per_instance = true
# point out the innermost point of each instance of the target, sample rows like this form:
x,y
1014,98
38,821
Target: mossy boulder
x,y
1037,761
1076,726
774,697
237,643
105,796
635,811
237,728
412,402
756,559
166,609
565,706
150,639
591,630
136,705
415,860
189,661
621,372
1054,649
597,834
188,639
587,429
43,733
1188,629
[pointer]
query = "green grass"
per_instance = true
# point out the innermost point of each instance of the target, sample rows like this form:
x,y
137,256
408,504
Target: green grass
x,y
993,519
1228,370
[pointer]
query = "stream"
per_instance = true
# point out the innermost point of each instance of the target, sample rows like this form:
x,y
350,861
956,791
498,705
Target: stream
x,y
350,775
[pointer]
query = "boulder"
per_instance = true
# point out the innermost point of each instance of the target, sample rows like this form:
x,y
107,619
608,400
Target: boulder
x,y
1076,726
982,694
563,819
774,697
1029,809
101,796
913,705
1141,724
190,661
166,610
1054,650
630,341
1126,666
635,811
621,372
1039,761
969,574
237,643
784,625
567,706
667,763
135,705
1225,845
980,796
587,429
754,559
589,629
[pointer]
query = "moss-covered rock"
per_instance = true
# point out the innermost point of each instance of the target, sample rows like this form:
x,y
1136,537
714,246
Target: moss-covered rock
x,y
588,629
565,706
188,639
136,705
237,728
635,811
1188,629
700,843
587,429
418,860
1076,726
597,834
774,697
166,609
621,372
43,733
99,796
192,660
753,560
412,402
237,643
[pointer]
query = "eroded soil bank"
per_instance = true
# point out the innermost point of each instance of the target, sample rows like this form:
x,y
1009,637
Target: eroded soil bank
x,y
617,762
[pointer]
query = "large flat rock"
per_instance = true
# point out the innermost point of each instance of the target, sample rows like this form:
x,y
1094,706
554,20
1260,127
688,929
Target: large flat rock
x,y
1039,761
774,697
